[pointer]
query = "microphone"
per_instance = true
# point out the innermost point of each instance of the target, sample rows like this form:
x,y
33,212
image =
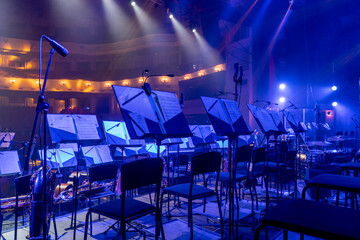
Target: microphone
x,y
241,75
236,71
57,46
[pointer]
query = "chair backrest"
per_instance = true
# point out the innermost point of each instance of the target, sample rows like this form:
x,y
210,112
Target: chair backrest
x,y
244,153
259,155
22,185
205,163
139,173
102,172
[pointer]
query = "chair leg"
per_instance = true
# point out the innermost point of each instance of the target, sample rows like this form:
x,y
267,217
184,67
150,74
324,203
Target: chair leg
x,y
90,224
123,229
220,213
99,204
16,219
86,225
256,197
55,229
160,219
191,221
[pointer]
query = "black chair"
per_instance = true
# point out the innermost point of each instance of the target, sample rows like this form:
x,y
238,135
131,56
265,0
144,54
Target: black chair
x,y
102,174
134,174
314,218
201,164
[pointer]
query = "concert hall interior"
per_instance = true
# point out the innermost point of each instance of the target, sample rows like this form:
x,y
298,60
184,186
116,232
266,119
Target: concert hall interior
x,y
179,119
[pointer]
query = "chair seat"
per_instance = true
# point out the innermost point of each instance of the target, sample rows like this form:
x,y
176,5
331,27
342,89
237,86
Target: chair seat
x,y
133,207
336,182
315,219
183,190
225,176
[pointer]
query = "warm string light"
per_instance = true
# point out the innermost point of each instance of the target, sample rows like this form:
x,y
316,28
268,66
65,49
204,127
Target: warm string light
x,y
125,83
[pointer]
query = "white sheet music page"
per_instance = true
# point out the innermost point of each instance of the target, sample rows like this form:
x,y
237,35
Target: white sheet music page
x,y
62,122
134,100
233,110
87,127
169,104
9,162
214,108
104,152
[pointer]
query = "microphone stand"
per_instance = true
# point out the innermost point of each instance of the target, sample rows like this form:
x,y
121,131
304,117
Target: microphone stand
x,y
41,110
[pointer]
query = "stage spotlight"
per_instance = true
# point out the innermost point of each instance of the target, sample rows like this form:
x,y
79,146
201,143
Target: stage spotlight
x,y
334,104
171,16
282,99
334,88
282,86
133,3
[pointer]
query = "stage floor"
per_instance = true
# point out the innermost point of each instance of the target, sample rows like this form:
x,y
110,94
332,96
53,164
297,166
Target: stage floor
x,y
175,227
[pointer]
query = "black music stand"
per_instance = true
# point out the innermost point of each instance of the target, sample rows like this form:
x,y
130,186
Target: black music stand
x,y
154,114
298,128
269,128
117,136
96,154
227,121
6,139
74,128
9,164
281,130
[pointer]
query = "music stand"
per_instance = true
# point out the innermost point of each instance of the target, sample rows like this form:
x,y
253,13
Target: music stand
x,y
6,139
269,128
74,128
149,113
117,136
298,128
96,154
227,120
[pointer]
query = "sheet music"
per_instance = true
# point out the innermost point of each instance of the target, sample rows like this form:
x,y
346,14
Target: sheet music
x,y
139,124
207,133
134,100
277,121
9,162
67,157
87,127
213,107
8,137
233,110
116,133
52,157
104,152
61,127
264,119
91,155
197,137
169,104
